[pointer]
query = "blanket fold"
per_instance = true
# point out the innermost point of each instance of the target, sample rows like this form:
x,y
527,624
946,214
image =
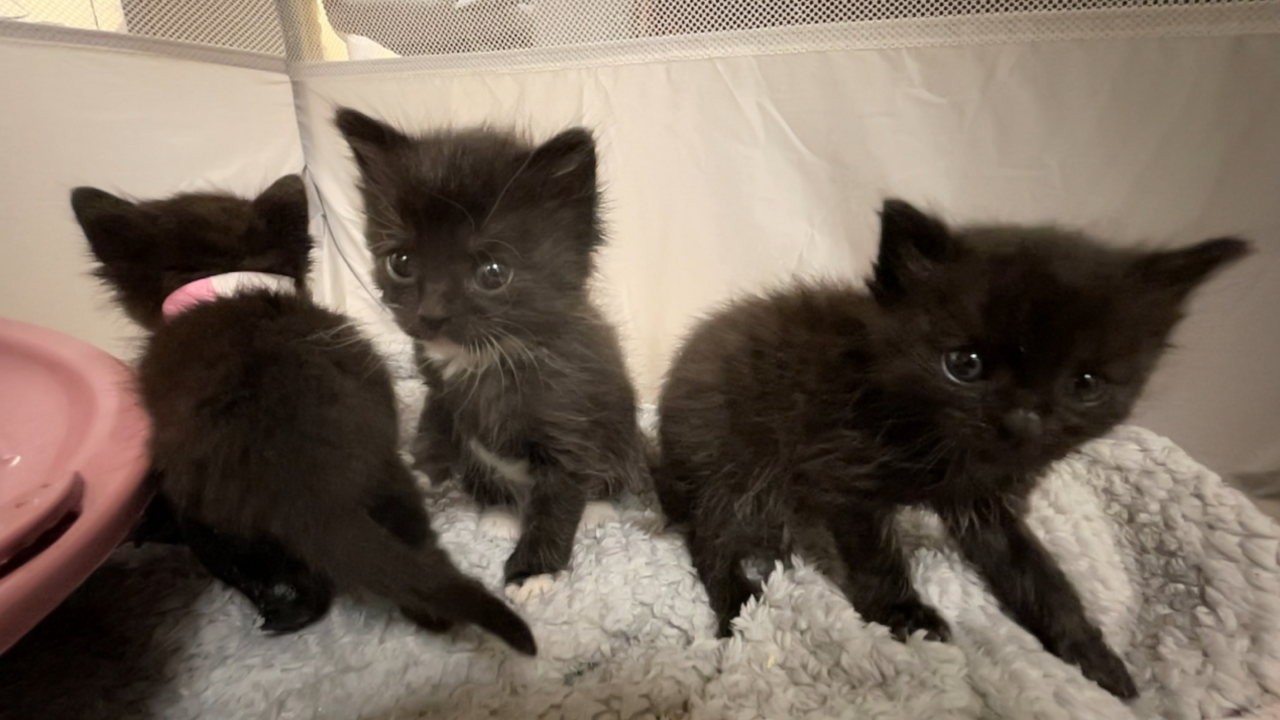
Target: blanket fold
x,y
1179,570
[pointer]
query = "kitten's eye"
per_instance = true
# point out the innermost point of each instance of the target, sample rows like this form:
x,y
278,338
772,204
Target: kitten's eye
x,y
962,366
1088,389
492,276
400,266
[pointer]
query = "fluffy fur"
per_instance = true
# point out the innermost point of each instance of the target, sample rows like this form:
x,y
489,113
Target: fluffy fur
x,y
978,357
483,246
275,437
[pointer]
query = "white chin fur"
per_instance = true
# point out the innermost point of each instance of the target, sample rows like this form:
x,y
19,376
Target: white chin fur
x,y
447,355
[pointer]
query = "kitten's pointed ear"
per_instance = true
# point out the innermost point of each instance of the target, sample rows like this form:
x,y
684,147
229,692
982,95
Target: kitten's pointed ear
x,y
283,206
115,228
912,245
373,142
564,167
1182,270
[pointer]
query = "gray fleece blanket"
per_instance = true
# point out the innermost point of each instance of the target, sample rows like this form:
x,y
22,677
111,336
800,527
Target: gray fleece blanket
x,y
1179,569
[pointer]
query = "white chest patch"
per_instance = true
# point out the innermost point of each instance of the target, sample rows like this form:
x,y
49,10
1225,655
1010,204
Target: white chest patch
x,y
515,472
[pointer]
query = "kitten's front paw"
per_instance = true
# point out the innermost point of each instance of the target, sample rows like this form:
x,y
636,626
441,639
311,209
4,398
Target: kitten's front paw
x,y
535,555
436,465
1099,664
287,608
529,588
500,523
905,618
597,513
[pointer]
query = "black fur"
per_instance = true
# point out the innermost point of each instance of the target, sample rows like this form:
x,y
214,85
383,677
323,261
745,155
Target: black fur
x,y
274,422
527,373
830,405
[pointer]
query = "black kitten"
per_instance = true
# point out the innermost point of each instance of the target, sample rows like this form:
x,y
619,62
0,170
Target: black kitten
x,y
483,246
274,422
978,357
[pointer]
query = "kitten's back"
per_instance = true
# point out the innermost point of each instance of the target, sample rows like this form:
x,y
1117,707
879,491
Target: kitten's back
x,y
272,416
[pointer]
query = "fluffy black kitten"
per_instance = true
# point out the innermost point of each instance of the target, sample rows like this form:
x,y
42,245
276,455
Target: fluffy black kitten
x,y
483,246
274,422
978,357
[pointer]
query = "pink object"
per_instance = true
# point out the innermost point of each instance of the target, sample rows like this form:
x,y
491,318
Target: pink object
x,y
224,285
193,293
73,439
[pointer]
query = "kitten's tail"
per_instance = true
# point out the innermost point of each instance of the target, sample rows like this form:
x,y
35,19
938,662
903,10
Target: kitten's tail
x,y
424,582
672,496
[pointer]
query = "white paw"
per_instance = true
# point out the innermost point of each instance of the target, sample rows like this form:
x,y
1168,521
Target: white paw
x,y
597,513
531,588
500,523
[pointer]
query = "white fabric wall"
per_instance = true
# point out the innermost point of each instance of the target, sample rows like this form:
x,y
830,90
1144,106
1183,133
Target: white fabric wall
x,y
726,174
131,121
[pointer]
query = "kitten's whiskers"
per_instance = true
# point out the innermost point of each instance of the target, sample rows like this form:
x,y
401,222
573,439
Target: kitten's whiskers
x,y
457,205
498,201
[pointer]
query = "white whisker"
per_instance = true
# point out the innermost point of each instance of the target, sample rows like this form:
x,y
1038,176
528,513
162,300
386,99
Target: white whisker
x,y
498,201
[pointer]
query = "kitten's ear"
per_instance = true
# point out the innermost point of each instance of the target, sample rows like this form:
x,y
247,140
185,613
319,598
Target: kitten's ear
x,y
283,206
565,166
116,229
912,245
373,142
1182,270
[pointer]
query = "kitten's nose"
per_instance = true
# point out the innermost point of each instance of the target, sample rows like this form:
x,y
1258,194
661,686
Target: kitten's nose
x,y
1023,424
432,324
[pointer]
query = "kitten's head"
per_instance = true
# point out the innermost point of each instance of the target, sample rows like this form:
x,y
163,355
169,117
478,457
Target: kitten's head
x,y
1017,344
477,237
146,250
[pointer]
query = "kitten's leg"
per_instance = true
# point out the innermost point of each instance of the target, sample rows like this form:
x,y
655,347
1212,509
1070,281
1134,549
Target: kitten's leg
x,y
288,595
879,585
551,520
717,556
1033,589
434,449
397,505
498,517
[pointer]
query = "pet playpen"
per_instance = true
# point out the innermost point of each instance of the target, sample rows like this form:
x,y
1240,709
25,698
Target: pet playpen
x,y
742,141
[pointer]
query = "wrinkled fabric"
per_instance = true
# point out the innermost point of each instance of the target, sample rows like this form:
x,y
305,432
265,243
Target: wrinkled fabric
x,y
1179,570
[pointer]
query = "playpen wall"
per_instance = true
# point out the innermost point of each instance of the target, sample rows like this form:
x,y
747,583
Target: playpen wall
x,y
730,161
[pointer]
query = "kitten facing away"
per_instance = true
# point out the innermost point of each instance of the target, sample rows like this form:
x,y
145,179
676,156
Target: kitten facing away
x,y
483,246
974,359
275,425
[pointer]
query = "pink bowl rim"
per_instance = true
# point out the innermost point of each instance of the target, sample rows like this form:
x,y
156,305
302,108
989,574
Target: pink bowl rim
x,y
113,460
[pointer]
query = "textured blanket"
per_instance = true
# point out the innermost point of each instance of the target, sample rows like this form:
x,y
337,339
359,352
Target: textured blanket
x,y
1179,569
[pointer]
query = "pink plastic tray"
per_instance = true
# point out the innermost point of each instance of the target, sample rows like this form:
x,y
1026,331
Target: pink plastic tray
x,y
73,455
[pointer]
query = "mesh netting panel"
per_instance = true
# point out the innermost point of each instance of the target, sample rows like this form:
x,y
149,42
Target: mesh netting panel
x,y
67,13
251,25
241,24
444,27
677,17
357,29
438,28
